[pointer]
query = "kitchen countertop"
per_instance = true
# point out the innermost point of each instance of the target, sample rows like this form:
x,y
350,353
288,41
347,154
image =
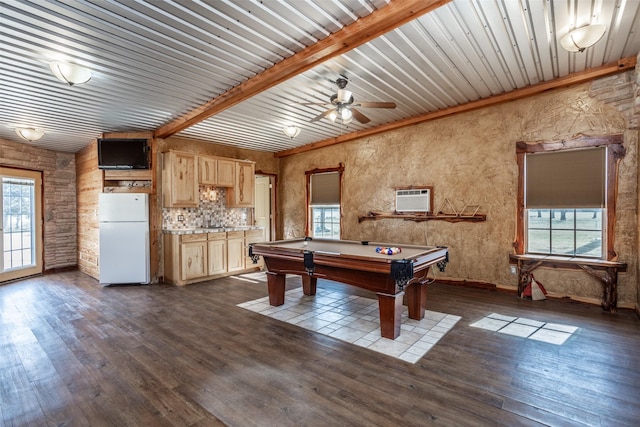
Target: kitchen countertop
x,y
211,229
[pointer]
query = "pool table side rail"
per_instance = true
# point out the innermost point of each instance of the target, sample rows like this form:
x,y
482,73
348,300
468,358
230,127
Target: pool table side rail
x,y
409,251
374,263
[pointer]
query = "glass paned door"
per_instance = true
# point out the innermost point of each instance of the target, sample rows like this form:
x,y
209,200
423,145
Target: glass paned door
x,y
21,223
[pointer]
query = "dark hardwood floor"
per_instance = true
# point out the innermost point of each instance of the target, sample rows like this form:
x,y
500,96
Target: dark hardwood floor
x,y
73,353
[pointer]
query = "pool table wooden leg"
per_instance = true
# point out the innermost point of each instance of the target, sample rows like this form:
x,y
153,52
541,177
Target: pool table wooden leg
x,y
390,307
309,284
416,299
275,284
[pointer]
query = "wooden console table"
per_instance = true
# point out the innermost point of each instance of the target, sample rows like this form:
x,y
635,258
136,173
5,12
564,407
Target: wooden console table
x,y
605,271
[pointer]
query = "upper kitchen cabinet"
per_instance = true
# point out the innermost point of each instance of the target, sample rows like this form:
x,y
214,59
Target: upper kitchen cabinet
x,y
226,173
242,194
179,180
216,171
207,170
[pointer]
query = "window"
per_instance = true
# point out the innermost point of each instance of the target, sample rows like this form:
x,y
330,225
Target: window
x,y
323,195
570,232
566,197
325,221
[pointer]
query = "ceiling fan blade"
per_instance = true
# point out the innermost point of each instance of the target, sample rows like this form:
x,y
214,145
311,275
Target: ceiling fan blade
x,y
323,115
359,116
375,104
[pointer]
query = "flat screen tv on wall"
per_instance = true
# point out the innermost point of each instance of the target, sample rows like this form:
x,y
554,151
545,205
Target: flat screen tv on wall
x,y
119,153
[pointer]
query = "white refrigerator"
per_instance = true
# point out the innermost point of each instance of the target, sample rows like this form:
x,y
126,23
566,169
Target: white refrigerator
x,y
124,238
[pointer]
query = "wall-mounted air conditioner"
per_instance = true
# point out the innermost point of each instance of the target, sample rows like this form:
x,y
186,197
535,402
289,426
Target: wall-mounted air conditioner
x,y
413,200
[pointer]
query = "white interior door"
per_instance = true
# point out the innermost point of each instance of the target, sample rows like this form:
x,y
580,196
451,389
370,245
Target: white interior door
x,y
263,205
21,206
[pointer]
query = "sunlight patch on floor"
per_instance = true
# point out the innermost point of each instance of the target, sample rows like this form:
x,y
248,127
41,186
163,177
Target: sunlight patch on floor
x,y
552,333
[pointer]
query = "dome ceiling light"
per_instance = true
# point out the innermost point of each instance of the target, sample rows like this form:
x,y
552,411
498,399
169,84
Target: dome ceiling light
x,y
29,134
582,38
70,74
291,131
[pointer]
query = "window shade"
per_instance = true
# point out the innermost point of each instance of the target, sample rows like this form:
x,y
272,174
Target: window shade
x,y
325,188
566,179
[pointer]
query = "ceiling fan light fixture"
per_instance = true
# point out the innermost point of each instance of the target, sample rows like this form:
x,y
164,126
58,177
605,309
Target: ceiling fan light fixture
x,y
70,74
291,131
344,96
332,116
345,114
579,39
29,134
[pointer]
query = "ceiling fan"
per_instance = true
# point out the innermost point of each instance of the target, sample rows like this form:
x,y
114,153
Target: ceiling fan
x,y
342,105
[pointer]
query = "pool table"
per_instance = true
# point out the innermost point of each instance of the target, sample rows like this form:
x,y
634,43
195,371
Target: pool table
x,y
358,264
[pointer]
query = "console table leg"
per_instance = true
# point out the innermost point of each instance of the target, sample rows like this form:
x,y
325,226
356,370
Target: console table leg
x,y
524,274
612,299
609,282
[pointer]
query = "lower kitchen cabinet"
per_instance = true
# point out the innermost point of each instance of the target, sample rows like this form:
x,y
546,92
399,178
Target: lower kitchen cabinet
x,y
217,253
185,257
235,251
191,258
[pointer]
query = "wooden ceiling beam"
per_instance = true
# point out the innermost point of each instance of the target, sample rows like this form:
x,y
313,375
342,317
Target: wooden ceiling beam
x,y
572,79
380,22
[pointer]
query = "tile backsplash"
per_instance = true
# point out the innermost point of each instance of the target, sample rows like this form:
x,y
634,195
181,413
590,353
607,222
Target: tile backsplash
x,y
211,212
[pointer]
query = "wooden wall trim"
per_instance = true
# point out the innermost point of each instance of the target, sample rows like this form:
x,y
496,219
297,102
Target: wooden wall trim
x,y
572,79
362,31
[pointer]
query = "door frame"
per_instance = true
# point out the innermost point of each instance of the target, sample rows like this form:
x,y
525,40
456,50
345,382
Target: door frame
x,y
273,181
38,268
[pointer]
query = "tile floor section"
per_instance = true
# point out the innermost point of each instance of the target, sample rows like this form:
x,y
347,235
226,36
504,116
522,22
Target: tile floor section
x,y
552,333
356,320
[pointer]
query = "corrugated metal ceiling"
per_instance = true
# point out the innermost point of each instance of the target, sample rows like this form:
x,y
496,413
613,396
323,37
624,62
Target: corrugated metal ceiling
x,y
155,61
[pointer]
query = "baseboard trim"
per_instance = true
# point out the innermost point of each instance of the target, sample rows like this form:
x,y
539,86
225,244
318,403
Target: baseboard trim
x,y
468,283
60,269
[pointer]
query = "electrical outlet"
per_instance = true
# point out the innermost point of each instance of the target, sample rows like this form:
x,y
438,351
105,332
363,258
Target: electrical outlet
x,y
513,269
180,217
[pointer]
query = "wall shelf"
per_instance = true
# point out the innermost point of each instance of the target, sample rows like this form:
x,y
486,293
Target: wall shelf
x,y
418,217
128,181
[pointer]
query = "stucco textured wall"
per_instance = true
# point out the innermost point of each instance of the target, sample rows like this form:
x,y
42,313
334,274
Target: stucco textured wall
x,y
469,159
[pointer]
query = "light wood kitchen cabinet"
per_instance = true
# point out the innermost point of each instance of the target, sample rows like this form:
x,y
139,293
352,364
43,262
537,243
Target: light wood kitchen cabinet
x,y
179,180
207,170
226,173
191,258
193,261
242,195
235,251
216,171
217,253
185,257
